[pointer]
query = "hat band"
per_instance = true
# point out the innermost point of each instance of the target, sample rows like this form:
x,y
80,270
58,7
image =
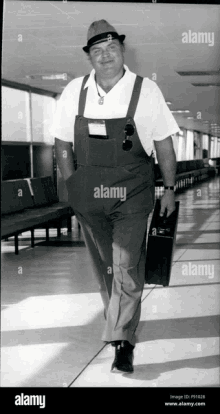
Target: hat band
x,y
107,35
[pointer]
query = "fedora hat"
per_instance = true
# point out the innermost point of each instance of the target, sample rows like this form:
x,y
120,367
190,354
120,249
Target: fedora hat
x,y
101,31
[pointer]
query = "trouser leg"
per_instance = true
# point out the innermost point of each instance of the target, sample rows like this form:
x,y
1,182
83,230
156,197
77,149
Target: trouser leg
x,y
97,233
129,254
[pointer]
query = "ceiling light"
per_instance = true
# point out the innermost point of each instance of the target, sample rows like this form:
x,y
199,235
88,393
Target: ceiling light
x,y
181,111
200,73
205,84
52,77
55,76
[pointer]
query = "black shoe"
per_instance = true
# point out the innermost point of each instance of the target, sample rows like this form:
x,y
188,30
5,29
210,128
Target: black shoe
x,y
124,357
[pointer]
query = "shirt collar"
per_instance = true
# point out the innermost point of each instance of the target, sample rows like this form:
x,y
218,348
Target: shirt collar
x,y
91,79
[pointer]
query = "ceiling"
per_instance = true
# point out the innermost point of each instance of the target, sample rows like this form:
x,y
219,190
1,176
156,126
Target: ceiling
x,y
46,37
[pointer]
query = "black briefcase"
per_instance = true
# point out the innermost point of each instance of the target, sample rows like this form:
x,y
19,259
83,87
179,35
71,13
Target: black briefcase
x,y
160,246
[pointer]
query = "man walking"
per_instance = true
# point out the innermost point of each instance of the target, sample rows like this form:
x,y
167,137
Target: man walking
x,y
112,116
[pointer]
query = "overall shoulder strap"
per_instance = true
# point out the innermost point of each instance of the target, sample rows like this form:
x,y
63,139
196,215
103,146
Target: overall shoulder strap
x,y
82,96
135,97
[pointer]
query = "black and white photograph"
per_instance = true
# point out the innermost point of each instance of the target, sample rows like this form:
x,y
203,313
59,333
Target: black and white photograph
x,y
110,179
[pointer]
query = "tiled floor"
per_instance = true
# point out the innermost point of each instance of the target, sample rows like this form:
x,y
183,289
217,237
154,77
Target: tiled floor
x,y
52,314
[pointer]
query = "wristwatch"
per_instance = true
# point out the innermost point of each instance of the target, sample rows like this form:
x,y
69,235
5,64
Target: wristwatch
x,y
169,188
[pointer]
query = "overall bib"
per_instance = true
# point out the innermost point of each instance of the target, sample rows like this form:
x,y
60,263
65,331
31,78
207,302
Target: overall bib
x,y
114,228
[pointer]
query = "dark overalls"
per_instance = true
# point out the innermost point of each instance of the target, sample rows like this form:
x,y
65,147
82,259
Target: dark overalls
x,y
114,230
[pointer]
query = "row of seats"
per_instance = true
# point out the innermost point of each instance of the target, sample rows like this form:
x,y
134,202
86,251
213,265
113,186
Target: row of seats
x,y
29,204
32,203
188,172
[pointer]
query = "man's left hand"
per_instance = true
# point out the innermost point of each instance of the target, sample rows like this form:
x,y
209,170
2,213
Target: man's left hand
x,y
168,202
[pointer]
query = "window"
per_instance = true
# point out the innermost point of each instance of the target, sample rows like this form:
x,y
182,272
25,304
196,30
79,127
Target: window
x,y
189,145
197,145
181,153
15,115
205,146
214,147
43,110
16,119
218,148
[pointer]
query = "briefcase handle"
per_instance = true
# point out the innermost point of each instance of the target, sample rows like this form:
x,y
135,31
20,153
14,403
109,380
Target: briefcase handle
x,y
165,223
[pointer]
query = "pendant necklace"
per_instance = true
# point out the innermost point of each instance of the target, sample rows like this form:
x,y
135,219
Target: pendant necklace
x,y
101,98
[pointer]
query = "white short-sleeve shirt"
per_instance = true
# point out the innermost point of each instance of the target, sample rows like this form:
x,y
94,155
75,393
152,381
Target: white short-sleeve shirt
x,y
153,119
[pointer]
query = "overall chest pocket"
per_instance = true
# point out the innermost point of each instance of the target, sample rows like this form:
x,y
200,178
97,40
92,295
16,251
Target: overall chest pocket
x,y
101,152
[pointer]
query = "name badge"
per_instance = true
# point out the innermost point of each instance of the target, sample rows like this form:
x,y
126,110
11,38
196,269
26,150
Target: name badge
x,y
97,128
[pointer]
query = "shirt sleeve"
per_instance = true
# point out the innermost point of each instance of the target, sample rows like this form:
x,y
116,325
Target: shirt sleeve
x,y
163,122
64,119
